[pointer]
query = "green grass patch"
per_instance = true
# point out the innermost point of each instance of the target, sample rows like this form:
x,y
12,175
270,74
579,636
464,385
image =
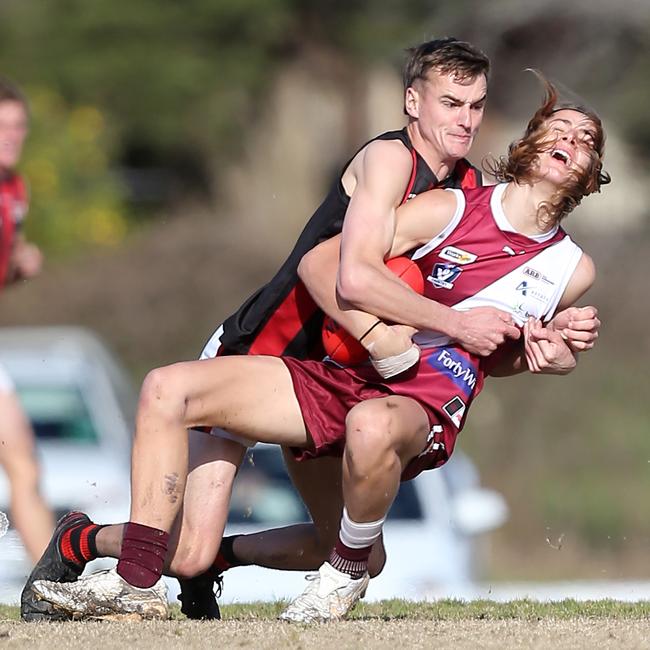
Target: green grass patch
x,y
443,610
456,610
7,612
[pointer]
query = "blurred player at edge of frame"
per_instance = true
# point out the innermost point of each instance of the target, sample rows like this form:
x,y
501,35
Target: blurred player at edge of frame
x,y
19,260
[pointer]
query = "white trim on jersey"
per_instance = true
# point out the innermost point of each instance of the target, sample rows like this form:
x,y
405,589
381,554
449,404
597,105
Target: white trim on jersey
x,y
504,224
448,229
211,348
572,257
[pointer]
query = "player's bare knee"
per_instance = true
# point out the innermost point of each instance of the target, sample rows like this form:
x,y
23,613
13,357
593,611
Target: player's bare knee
x,y
163,395
370,430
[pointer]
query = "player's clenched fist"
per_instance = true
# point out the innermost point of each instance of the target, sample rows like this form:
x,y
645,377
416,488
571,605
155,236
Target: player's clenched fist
x,y
578,326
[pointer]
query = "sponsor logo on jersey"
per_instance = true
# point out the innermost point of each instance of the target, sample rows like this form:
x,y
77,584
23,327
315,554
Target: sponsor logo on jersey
x,y
456,367
521,311
458,255
455,409
536,275
531,291
433,440
443,276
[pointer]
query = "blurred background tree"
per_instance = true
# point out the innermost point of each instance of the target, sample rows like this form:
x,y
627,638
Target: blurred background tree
x,y
177,84
76,198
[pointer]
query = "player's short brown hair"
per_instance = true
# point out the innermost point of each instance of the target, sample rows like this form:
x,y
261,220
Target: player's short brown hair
x,y
446,56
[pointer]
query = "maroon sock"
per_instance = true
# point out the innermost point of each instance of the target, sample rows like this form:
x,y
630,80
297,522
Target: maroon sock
x,y
78,544
353,561
143,554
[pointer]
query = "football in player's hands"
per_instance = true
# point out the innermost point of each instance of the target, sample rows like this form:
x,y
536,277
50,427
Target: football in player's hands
x,y
341,346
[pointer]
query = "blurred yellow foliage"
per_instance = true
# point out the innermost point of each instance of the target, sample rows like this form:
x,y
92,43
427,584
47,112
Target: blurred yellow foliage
x,y
76,199
86,124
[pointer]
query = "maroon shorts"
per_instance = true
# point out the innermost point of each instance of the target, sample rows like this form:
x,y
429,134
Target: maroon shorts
x,y
326,393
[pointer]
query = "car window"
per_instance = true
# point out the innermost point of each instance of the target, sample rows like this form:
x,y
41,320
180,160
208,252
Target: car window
x,y
263,493
57,413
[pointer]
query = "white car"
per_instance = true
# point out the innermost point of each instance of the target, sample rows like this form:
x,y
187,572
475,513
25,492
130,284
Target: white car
x,y
82,404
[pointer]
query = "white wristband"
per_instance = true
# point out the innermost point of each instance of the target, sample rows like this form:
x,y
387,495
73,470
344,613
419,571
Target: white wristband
x,y
391,366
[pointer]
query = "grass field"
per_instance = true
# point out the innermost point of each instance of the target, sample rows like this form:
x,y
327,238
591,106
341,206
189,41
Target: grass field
x,y
388,624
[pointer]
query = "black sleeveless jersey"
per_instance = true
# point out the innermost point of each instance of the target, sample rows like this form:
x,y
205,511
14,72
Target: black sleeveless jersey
x,y
281,319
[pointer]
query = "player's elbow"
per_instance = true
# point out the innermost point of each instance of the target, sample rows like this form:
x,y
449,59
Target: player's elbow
x,y
352,284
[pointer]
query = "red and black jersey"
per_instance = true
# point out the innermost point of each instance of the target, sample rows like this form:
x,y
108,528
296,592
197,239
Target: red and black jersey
x,y
281,319
13,208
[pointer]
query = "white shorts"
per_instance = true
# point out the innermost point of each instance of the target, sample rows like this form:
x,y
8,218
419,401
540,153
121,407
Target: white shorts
x,y
6,383
210,351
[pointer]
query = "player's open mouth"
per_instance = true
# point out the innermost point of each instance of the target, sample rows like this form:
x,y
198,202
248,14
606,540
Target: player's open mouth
x,y
562,156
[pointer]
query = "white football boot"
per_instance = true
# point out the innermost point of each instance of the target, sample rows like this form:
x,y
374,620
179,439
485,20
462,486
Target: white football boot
x,y
105,594
329,596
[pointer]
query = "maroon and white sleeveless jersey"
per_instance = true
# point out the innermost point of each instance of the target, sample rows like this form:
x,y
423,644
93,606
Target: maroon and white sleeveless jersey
x,y
477,260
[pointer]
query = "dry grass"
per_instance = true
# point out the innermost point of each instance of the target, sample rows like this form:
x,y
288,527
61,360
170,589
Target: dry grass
x,y
390,624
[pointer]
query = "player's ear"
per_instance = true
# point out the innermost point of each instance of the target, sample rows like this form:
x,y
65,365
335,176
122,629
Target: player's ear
x,y
412,102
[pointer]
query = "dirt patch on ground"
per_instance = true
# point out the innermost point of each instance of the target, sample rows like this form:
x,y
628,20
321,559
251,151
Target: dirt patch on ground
x,y
546,633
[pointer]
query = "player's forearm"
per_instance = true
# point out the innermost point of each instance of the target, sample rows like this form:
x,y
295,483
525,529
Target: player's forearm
x,y
318,274
379,292
514,357
363,289
517,364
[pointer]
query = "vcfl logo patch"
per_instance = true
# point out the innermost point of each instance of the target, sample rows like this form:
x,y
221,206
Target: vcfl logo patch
x,y
443,276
